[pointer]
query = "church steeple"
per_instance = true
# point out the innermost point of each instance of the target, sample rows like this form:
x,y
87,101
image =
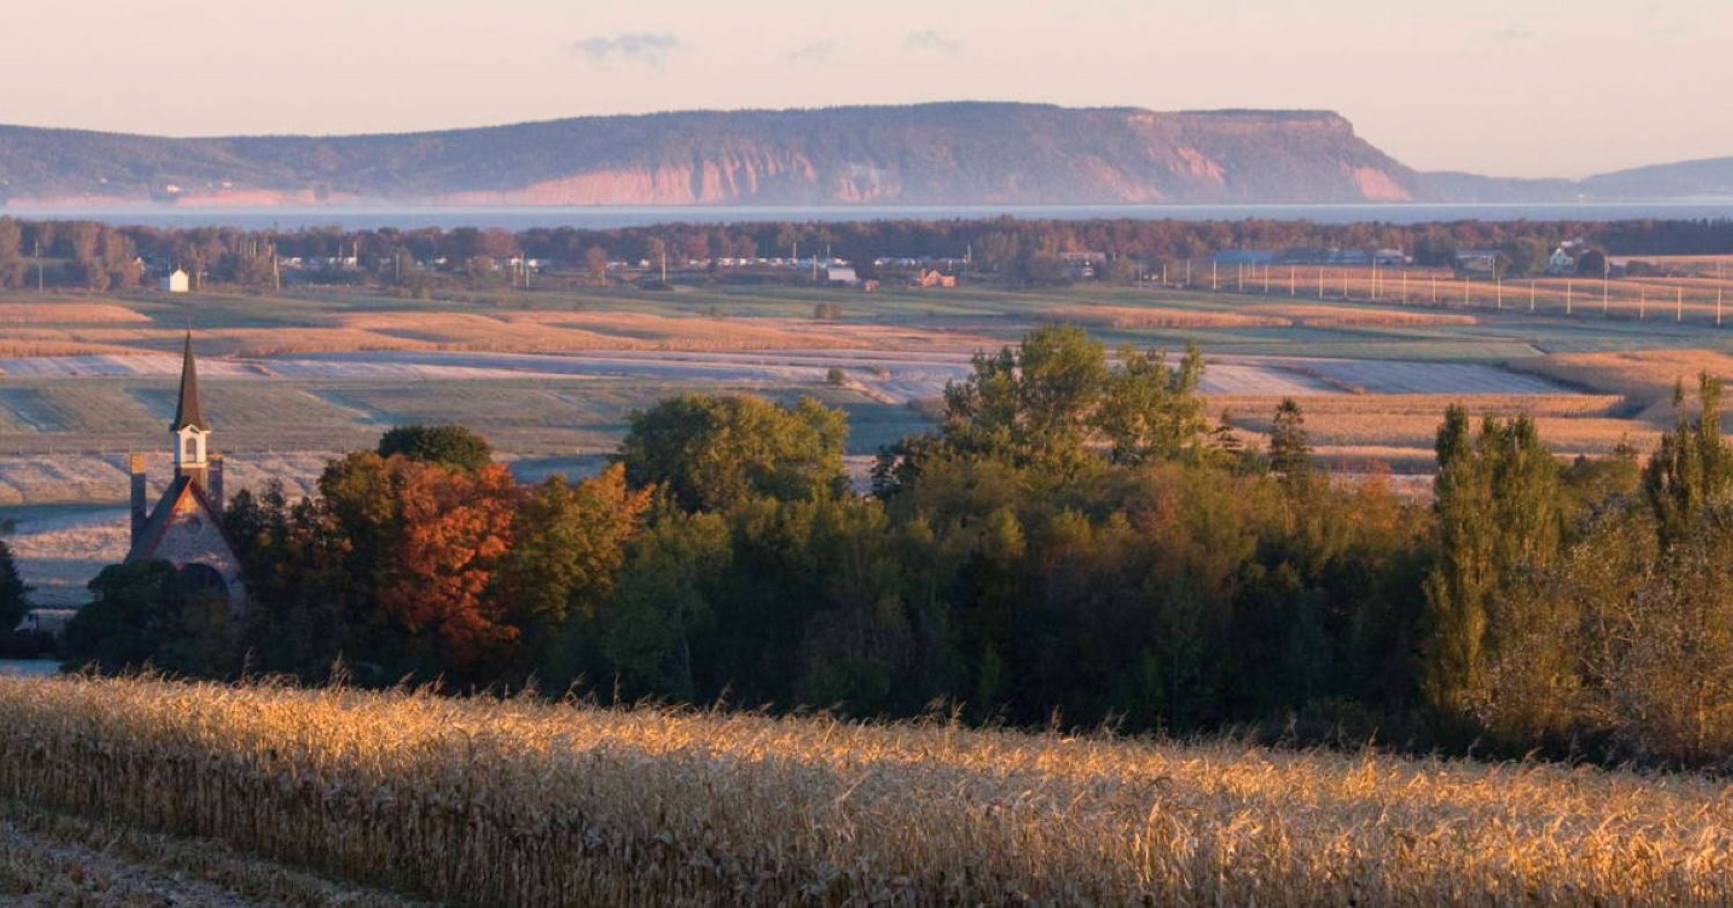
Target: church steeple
x,y
187,411
189,426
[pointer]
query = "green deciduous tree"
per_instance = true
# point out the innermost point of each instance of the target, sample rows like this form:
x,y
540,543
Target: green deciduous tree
x,y
1497,510
1152,410
713,452
451,446
149,614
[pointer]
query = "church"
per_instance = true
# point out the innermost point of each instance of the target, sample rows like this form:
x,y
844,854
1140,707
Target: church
x,y
186,527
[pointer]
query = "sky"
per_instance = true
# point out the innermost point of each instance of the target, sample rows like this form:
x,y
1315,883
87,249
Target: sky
x,y
1501,87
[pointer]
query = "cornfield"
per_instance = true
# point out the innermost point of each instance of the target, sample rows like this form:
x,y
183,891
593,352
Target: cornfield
x,y
524,802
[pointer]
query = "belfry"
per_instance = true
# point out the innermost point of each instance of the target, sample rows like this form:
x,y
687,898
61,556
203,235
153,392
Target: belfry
x,y
186,526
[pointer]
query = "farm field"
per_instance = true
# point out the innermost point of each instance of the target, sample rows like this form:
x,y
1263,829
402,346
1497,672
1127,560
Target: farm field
x,y
380,788
551,377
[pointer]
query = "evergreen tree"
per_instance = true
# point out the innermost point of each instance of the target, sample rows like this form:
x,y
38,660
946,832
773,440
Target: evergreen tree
x,y
11,254
1290,446
1693,468
13,602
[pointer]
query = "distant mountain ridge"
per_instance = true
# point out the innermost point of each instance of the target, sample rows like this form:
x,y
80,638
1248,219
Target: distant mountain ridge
x,y
957,153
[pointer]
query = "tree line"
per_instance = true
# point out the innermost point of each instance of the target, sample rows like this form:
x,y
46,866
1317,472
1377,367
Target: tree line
x,y
1076,544
97,256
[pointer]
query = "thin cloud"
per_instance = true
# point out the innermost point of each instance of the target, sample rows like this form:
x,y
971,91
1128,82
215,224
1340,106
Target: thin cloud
x,y
650,48
1511,33
930,40
816,52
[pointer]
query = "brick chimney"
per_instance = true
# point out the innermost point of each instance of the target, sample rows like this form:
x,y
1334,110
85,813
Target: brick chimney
x,y
138,492
214,483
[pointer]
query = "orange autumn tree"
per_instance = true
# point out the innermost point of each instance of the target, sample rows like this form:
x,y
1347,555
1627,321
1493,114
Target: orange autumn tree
x,y
464,571
455,528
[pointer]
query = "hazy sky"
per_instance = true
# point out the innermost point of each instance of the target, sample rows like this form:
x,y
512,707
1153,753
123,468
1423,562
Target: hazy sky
x,y
1512,87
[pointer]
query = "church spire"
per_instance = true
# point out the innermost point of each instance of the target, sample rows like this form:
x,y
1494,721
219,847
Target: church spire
x,y
187,410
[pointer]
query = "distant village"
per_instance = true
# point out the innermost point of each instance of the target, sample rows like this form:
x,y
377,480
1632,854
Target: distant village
x,y
866,255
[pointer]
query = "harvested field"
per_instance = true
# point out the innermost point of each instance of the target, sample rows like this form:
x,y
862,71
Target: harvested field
x,y
1376,406
518,802
1639,374
1322,316
1387,377
54,312
1160,317
524,331
128,364
1418,431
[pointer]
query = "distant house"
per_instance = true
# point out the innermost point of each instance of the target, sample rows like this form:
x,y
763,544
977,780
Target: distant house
x,y
1389,258
1083,265
176,282
933,278
841,276
1561,262
1477,261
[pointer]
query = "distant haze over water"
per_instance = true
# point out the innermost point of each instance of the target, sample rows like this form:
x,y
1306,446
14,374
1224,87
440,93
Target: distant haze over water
x,y
606,217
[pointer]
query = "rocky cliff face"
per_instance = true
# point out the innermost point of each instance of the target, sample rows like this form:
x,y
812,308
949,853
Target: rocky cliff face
x,y
961,153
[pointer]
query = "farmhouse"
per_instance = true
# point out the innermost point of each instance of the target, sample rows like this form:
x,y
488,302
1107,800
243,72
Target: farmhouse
x,y
186,528
1477,261
1083,265
926,278
841,276
176,282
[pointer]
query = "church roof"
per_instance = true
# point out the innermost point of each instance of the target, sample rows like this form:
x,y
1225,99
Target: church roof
x,y
187,410
151,534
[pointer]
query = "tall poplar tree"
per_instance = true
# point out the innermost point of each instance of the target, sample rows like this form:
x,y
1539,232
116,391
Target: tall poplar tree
x,y
1498,524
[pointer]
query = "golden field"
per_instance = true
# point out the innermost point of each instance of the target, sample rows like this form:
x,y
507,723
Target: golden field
x,y
523,802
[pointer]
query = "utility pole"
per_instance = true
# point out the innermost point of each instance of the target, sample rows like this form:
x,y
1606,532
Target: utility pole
x,y
1498,288
1293,282
1214,284
1240,278
1405,286
1678,304
1643,305
39,262
1266,280
664,266
1569,293
1718,292
1434,288
1320,283
1531,295
1374,277
1188,272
